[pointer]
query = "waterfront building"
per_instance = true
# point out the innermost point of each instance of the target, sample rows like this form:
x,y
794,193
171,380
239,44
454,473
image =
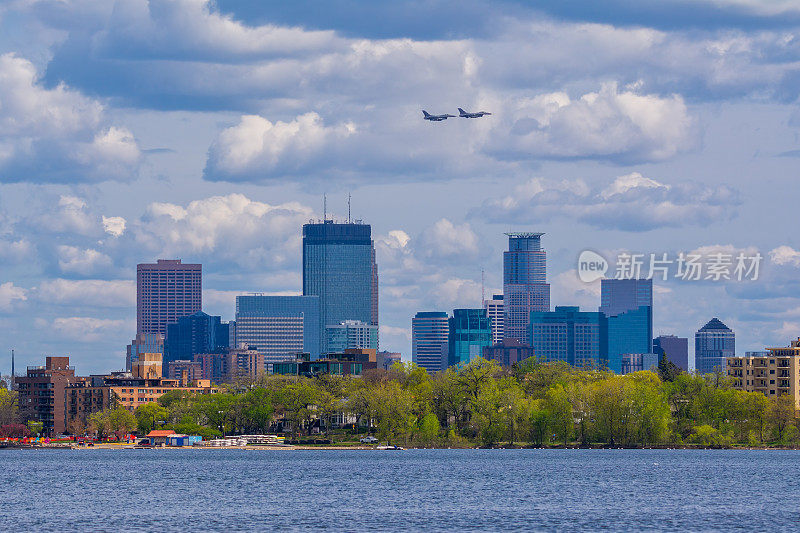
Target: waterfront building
x,y
339,268
494,310
772,372
353,362
143,343
525,287
675,348
508,352
41,393
430,332
636,362
166,291
570,335
193,334
385,360
351,334
122,389
470,331
627,305
279,327
714,343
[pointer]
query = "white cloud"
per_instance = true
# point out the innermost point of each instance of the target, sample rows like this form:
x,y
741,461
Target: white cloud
x,y
609,124
457,293
630,203
253,235
785,255
114,226
16,250
10,293
54,135
87,329
82,261
88,292
445,240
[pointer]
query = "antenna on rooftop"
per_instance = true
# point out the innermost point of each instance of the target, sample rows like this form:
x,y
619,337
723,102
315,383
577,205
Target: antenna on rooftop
x,y
324,207
348,208
483,293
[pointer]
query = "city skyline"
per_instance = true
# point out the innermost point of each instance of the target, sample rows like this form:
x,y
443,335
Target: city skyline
x,y
210,132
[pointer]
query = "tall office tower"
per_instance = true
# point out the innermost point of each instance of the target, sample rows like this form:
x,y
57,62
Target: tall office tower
x,y
143,343
570,335
675,348
351,334
494,310
525,286
278,327
166,291
713,344
470,333
628,306
339,267
430,331
193,334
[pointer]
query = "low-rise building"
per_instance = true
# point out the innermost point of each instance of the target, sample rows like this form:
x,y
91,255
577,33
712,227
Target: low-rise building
x,y
636,362
774,372
231,364
507,352
353,362
385,359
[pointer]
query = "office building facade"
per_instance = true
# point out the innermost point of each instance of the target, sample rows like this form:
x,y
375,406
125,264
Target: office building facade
x,y
430,331
193,334
42,393
350,334
636,362
470,332
494,310
166,291
570,335
279,327
714,343
675,348
508,352
627,305
339,268
143,343
525,287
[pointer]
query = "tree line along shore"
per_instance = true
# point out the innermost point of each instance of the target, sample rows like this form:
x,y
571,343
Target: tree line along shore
x,y
481,404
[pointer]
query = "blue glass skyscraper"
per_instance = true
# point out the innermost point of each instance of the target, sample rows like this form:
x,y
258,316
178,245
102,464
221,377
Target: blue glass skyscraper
x,y
194,334
713,344
570,335
525,286
628,306
470,331
279,327
339,267
430,332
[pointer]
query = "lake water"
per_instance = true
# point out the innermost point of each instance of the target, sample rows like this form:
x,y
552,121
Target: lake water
x,y
412,490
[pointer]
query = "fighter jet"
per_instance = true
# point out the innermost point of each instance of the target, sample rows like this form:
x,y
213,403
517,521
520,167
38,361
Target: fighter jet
x,y
435,118
479,114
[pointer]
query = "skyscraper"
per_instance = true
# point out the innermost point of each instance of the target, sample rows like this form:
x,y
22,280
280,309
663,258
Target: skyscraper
x,y
429,340
166,291
469,334
279,327
675,348
713,344
194,334
339,267
570,335
628,306
494,310
525,286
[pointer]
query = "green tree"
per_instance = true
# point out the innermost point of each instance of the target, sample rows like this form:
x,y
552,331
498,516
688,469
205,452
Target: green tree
x,y
9,413
560,412
782,413
148,416
429,429
35,427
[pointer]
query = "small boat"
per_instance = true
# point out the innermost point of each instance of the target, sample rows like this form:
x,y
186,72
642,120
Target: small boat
x,y
389,447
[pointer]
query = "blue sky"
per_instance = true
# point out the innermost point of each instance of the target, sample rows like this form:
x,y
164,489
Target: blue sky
x,y
134,130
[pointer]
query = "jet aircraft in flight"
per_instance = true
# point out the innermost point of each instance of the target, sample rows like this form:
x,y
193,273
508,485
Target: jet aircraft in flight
x,y
479,114
435,118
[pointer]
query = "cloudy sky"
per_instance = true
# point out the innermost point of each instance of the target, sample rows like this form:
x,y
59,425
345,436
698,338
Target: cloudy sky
x,y
209,131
